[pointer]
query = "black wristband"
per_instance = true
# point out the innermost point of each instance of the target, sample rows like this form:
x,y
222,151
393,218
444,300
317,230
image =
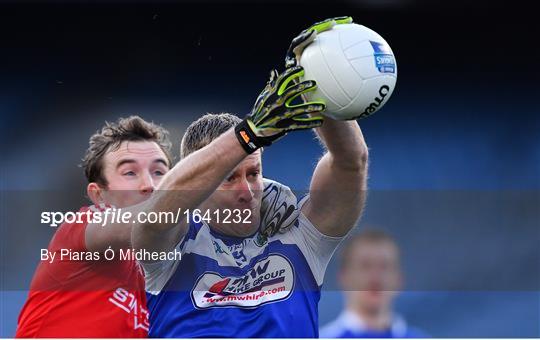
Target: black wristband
x,y
249,141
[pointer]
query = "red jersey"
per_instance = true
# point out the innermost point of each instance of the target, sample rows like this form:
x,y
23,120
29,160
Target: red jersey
x,y
79,296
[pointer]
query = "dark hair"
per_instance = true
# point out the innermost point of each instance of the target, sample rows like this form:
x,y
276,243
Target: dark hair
x,y
109,138
205,129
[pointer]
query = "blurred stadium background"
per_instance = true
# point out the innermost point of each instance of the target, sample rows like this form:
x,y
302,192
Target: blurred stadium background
x,y
455,154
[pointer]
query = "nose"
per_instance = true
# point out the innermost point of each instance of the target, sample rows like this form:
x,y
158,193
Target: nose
x,y
147,185
244,192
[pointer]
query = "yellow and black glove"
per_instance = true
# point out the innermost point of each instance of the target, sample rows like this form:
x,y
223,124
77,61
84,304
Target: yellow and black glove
x,y
273,114
307,36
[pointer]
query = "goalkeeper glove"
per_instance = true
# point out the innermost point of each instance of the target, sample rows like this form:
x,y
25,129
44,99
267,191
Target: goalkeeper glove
x,y
273,114
308,35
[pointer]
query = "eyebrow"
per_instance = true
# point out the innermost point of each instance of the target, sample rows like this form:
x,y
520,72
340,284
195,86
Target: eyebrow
x,y
256,166
162,161
131,161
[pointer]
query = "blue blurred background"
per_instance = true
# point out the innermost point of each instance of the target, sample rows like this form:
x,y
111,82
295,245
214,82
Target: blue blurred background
x,y
454,155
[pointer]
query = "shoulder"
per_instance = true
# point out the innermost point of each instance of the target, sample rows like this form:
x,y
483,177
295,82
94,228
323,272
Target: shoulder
x,y
71,233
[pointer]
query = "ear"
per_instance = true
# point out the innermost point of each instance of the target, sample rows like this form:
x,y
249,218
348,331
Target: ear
x,y
94,192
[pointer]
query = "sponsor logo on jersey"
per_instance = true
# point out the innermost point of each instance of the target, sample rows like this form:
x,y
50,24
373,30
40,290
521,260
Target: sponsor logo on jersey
x,y
384,59
269,280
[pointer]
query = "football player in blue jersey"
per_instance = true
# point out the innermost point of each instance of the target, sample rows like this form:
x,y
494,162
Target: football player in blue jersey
x,y
370,276
257,273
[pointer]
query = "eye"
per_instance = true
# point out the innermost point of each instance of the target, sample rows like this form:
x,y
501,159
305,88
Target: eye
x,y
254,173
159,173
129,173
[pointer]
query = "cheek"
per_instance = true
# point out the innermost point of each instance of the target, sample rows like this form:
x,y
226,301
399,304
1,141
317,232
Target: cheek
x,y
121,185
258,187
121,192
115,181
220,199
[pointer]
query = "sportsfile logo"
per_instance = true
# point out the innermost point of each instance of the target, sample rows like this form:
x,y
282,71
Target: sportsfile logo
x,y
269,280
384,59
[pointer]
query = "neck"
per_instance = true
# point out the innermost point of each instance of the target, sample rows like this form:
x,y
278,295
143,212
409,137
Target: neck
x,y
373,318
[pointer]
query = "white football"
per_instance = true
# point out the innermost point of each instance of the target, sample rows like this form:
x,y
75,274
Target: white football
x,y
355,70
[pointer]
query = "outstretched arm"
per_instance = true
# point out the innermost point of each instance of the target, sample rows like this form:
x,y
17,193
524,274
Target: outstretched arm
x,y
338,186
197,176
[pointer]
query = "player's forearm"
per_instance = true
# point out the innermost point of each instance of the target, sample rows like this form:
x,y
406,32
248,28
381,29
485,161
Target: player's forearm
x,y
345,143
193,179
204,169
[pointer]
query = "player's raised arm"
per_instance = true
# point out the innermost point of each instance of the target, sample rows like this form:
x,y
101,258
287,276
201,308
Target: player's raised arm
x,y
338,185
194,178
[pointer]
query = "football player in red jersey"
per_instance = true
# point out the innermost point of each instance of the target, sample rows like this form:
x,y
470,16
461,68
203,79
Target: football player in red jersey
x,y
96,297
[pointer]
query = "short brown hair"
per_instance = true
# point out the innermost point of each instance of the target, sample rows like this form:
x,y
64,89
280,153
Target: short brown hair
x,y
205,129
109,138
367,235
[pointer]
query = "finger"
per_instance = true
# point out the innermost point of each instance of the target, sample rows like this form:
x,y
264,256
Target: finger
x,y
295,90
298,124
287,77
257,110
297,113
343,20
307,108
306,125
274,75
297,46
302,38
322,26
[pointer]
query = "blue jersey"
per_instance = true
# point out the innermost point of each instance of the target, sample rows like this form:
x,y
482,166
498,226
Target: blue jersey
x,y
266,285
349,325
